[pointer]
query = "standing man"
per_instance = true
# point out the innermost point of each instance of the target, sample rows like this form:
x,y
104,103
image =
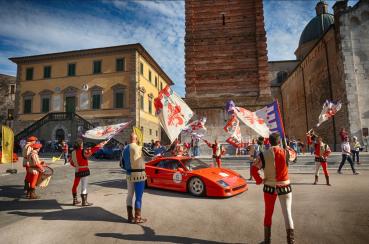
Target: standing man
x,y
276,183
355,149
258,148
65,148
346,155
217,152
136,177
321,152
35,168
26,151
79,160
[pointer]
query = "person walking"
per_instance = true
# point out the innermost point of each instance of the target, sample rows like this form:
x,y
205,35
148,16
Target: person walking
x,y
321,152
346,155
64,147
274,162
136,177
218,151
355,150
79,160
35,168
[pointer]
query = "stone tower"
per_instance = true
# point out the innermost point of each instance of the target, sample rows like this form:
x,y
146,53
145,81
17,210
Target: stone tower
x,y
225,58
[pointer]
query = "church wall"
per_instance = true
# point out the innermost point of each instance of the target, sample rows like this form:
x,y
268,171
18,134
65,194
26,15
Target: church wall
x,y
315,79
353,31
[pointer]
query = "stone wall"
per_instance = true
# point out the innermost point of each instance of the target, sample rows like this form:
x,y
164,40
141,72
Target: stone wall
x,y
6,99
318,77
353,32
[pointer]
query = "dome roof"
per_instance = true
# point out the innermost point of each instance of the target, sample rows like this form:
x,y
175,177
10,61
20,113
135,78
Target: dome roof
x,y
316,27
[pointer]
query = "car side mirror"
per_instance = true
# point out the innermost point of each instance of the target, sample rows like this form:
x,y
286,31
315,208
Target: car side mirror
x,y
181,170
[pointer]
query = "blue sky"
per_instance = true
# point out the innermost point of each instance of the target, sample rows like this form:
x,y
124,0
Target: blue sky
x,y
40,26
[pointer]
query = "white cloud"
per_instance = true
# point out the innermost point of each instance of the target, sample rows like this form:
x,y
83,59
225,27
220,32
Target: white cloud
x,y
36,30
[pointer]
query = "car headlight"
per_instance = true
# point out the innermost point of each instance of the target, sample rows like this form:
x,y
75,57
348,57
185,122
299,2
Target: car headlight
x,y
222,183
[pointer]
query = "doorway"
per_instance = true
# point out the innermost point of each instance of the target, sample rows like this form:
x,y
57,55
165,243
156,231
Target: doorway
x,y
59,135
70,104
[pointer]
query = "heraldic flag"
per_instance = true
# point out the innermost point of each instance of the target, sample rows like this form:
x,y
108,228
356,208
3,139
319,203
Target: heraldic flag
x,y
174,114
272,117
105,132
7,143
330,108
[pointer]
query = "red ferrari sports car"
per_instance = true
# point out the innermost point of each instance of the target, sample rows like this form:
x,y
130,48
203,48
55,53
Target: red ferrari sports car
x,y
187,174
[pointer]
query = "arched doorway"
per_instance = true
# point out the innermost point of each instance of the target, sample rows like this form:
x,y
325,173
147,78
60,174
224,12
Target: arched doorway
x,y
59,134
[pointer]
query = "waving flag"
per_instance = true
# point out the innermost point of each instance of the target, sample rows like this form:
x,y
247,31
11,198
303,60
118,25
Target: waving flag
x,y
233,128
174,114
252,120
7,144
272,117
105,132
196,129
330,108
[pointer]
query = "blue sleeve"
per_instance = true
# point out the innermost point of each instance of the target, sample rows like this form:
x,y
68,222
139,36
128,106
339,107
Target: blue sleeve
x,y
127,158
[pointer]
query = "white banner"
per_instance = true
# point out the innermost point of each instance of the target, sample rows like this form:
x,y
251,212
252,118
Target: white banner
x,y
105,132
173,112
253,121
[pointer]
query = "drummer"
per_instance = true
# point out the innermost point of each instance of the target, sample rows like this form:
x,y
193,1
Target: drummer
x,y
36,166
26,150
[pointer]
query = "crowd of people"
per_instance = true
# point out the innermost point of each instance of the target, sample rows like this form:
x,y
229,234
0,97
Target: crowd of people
x,y
267,154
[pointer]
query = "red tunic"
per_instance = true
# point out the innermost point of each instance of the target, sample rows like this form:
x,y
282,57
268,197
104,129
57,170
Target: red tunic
x,y
79,160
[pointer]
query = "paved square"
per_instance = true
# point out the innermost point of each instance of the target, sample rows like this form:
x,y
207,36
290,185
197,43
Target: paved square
x,y
322,214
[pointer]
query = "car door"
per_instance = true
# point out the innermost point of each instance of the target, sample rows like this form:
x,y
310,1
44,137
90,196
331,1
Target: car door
x,y
166,173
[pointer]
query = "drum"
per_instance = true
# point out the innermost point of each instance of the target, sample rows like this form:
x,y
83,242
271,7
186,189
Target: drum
x,y
44,177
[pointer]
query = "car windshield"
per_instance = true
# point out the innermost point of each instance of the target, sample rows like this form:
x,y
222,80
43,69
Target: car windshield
x,y
194,163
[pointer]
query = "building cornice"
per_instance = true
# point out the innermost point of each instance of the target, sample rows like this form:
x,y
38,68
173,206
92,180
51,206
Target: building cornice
x,y
94,51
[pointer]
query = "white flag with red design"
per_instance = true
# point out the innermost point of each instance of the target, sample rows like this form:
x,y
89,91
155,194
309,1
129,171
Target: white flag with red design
x,y
196,129
330,108
105,132
233,128
174,114
253,121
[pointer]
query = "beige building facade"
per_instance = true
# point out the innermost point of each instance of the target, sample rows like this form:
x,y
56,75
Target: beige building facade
x,y
102,86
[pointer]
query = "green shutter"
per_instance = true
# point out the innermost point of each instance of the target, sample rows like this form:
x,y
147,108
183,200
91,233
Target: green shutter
x,y
45,105
96,101
120,64
97,67
29,74
119,100
28,106
71,69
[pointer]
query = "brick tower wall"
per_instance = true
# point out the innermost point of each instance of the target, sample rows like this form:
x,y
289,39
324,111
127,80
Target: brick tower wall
x,y
225,58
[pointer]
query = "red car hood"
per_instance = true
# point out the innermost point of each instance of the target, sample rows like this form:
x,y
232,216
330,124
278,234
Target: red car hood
x,y
216,174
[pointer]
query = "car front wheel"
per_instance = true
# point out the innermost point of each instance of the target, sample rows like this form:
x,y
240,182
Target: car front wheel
x,y
196,186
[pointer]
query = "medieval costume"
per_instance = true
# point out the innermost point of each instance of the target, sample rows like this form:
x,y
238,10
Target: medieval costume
x,y
26,151
136,177
217,152
79,160
321,152
34,169
276,183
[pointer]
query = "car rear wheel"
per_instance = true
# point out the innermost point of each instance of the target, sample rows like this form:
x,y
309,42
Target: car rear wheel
x,y
196,186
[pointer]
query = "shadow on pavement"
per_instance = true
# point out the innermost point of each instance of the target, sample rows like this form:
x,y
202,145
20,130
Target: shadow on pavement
x,y
149,235
12,191
29,204
77,214
118,183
